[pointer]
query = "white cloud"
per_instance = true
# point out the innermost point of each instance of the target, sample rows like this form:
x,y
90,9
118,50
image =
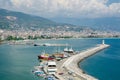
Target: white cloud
x,y
115,9
64,8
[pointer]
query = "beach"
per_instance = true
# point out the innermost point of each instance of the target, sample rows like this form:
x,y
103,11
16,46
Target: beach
x,y
69,66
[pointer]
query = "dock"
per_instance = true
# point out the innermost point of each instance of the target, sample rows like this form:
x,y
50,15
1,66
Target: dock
x,y
68,68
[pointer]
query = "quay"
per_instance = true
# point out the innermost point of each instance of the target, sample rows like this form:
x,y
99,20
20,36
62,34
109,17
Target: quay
x,y
70,69
67,68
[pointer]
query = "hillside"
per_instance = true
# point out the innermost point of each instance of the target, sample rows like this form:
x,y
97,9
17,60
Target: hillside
x,y
108,23
15,20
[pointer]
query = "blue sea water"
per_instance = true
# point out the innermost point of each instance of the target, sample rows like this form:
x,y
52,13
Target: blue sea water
x,y
17,61
104,65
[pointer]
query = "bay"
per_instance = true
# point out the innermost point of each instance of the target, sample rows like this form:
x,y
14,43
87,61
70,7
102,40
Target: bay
x,y
17,61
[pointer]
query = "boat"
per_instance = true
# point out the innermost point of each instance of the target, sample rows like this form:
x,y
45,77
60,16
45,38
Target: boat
x,y
58,55
50,77
35,45
39,73
51,67
68,50
46,44
45,56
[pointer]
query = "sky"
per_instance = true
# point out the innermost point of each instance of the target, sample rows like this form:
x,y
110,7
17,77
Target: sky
x,y
65,8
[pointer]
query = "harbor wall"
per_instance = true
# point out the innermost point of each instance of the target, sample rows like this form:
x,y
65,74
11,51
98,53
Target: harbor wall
x,y
71,64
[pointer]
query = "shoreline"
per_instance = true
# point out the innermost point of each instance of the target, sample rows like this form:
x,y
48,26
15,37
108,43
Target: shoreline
x,y
62,39
72,64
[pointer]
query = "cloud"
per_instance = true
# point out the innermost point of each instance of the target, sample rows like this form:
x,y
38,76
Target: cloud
x,y
64,8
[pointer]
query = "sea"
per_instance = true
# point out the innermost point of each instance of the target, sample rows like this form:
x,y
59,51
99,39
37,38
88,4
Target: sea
x,y
18,61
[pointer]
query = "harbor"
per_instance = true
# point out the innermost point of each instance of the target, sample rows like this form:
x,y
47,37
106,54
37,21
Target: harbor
x,y
63,67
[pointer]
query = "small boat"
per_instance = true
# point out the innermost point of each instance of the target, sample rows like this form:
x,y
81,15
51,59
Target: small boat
x,y
50,77
66,49
35,45
70,50
39,73
58,55
46,44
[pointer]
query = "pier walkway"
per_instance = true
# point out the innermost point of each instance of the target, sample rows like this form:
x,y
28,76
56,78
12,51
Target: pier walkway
x,y
69,66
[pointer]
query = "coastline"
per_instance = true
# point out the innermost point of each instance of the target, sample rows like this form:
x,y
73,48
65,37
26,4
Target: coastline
x,y
71,65
14,42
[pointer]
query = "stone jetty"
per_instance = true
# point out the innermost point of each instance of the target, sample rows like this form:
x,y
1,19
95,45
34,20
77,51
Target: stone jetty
x,y
68,68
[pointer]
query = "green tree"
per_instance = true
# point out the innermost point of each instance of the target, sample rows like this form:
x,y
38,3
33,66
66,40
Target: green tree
x,y
0,39
30,37
9,38
14,38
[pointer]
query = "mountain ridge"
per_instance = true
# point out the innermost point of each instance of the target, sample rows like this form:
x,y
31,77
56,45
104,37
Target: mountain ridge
x,y
15,20
107,23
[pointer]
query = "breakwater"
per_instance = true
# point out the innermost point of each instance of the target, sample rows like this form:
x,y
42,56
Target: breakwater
x,y
70,67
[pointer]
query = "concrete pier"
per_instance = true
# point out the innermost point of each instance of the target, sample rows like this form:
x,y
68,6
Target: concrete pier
x,y
70,69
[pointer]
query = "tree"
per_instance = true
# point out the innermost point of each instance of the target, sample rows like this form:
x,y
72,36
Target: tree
x,y
14,38
0,39
9,38
30,37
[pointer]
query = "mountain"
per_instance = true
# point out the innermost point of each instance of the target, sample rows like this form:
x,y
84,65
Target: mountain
x,y
108,23
15,20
